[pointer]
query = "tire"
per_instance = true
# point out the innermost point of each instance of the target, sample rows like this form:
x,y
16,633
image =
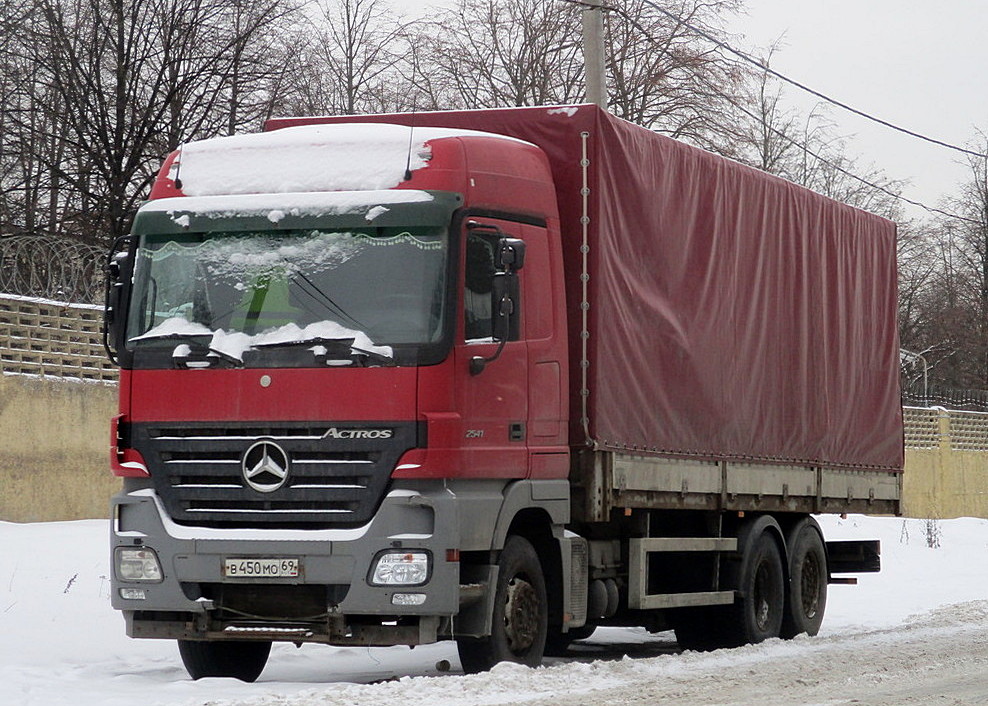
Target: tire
x,y
806,599
757,614
240,660
519,622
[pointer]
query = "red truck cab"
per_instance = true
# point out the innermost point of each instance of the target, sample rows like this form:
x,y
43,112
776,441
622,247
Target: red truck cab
x,y
323,361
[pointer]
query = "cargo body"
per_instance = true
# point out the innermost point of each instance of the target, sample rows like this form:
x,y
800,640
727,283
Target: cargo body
x,y
597,377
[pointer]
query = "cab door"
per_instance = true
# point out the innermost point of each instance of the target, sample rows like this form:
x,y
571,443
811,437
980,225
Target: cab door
x,y
492,396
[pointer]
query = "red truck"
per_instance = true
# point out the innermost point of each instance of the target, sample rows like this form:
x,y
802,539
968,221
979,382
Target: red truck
x,y
495,376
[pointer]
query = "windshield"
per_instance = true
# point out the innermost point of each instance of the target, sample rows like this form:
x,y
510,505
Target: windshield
x,y
299,297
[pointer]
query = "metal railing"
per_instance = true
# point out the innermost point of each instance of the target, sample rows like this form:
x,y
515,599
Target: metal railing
x,y
948,397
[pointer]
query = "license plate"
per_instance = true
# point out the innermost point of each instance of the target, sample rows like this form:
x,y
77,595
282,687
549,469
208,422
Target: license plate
x,y
261,568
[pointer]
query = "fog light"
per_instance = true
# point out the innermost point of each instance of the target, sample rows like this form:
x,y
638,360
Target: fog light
x,y
401,569
138,565
133,594
408,599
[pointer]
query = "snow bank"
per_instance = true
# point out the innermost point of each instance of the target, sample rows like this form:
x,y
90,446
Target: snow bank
x,y
61,643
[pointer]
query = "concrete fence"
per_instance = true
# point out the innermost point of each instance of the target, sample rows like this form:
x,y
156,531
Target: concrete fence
x,y
58,392
946,463
55,449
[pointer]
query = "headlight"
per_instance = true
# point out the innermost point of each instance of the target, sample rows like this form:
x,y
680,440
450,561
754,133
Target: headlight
x,y
138,565
401,569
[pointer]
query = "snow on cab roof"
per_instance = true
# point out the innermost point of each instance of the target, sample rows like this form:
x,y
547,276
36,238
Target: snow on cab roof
x,y
308,158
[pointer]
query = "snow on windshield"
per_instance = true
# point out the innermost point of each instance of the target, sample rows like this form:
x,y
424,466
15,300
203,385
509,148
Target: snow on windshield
x,y
347,156
234,343
242,259
250,258
175,326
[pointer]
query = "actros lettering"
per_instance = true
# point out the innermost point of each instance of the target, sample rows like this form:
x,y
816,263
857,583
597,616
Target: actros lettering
x,y
335,433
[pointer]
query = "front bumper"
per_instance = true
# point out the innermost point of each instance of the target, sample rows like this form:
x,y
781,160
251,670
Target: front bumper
x,y
330,601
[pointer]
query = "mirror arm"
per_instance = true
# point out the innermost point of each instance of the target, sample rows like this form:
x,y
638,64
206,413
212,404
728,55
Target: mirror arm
x,y
478,363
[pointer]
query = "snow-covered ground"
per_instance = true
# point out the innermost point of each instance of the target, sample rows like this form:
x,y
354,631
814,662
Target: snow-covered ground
x,y
61,643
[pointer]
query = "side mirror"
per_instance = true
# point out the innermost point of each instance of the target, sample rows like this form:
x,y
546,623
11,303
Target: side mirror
x,y
505,299
118,267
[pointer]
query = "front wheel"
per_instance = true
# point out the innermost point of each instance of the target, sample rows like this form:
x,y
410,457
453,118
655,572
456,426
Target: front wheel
x,y
239,660
757,614
519,621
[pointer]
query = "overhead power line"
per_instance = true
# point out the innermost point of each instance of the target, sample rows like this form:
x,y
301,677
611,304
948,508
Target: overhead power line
x,y
801,146
866,182
782,77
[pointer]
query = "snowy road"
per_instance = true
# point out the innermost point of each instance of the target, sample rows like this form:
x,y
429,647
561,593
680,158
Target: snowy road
x,y
941,658
915,634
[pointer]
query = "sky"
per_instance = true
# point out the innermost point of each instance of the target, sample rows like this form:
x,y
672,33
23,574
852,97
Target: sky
x,y
915,63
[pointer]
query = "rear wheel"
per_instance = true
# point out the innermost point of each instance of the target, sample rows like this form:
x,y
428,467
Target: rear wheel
x,y
240,660
520,619
807,595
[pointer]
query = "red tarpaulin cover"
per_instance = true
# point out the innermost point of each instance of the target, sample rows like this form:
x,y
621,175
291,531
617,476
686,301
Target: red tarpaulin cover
x,y
733,315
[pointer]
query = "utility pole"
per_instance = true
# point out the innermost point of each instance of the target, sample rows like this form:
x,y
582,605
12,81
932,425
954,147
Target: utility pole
x,y
593,53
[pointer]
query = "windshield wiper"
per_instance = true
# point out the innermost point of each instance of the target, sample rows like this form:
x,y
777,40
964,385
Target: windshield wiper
x,y
181,358
333,349
318,294
382,359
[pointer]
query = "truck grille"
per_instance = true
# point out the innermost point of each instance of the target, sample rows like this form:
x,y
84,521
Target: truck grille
x,y
199,472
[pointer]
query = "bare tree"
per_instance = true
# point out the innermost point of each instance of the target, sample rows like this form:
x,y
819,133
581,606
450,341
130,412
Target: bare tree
x,y
918,259
765,129
488,53
964,289
663,75
252,56
114,84
807,149
363,45
345,59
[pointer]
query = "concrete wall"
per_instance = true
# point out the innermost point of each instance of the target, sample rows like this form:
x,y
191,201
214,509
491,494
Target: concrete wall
x,y
54,454
54,449
946,463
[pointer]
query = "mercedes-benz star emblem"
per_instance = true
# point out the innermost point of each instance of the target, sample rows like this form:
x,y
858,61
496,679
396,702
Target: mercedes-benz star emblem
x,y
265,466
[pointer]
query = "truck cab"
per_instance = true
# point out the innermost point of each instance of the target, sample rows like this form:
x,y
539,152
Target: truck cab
x,y
331,391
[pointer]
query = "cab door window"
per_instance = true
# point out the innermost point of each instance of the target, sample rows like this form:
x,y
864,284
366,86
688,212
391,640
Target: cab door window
x,y
478,289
